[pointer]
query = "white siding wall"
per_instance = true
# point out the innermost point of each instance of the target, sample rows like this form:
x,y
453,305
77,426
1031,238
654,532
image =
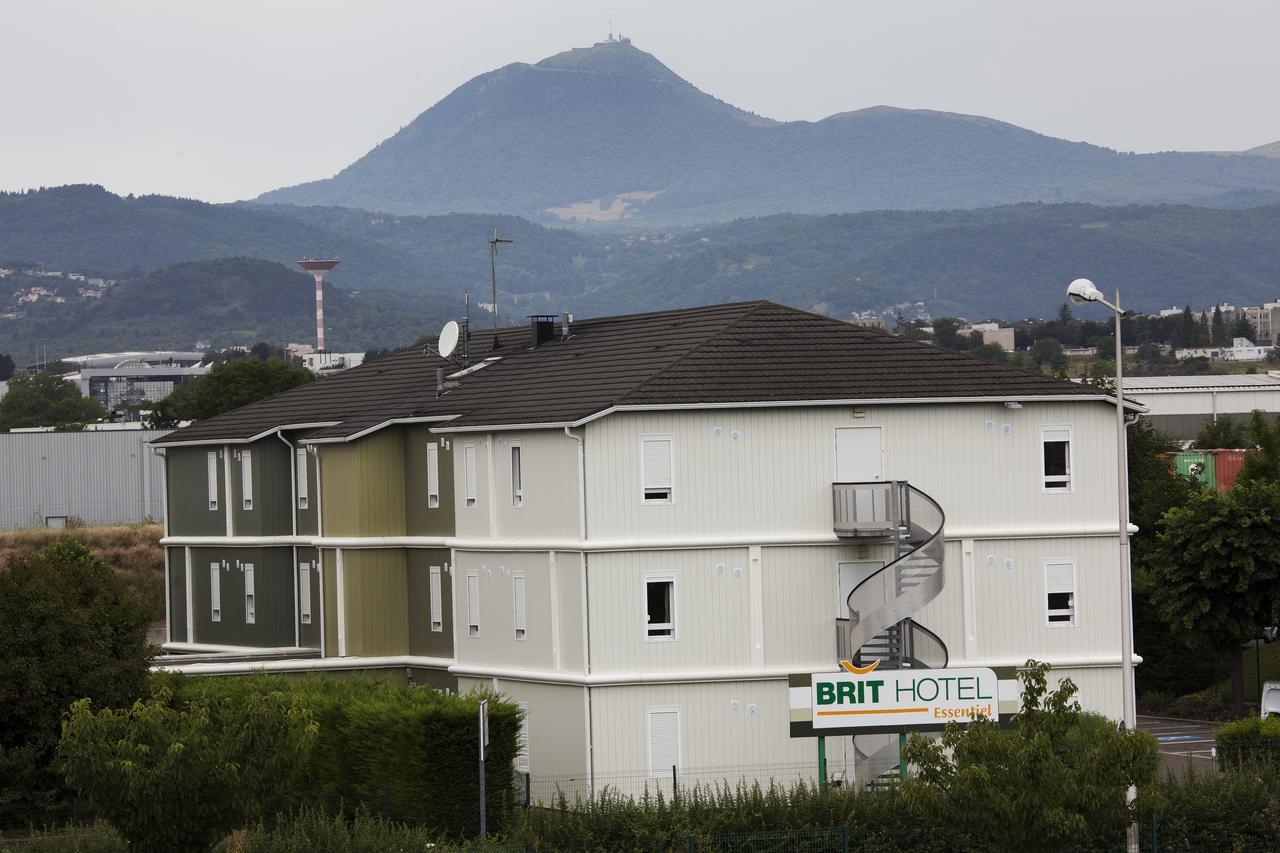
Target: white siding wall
x,y
549,469
776,477
496,644
472,521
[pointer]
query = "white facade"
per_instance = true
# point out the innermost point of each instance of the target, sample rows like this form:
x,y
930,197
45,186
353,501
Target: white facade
x,y
742,533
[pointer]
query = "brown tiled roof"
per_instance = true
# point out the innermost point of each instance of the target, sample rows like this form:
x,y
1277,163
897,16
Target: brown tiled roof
x,y
740,353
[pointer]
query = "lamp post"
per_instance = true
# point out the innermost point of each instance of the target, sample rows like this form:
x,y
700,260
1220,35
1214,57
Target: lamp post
x,y
1083,292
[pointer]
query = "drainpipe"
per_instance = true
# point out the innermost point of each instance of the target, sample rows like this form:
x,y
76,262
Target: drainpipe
x,y
586,602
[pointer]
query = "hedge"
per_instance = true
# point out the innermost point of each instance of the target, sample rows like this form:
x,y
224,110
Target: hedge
x,y
408,753
1252,739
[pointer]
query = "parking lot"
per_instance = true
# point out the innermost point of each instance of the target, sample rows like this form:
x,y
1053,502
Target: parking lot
x,y
1183,743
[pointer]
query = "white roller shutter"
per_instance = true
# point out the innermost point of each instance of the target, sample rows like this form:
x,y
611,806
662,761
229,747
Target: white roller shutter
x,y
246,478
473,605
300,464
213,479
469,474
250,609
304,593
1060,591
664,741
517,598
655,467
215,592
437,618
433,475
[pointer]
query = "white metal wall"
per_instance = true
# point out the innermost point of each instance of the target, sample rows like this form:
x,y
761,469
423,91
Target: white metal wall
x,y
101,477
549,477
496,644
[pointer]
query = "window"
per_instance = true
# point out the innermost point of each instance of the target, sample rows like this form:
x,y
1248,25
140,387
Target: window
x,y
517,490
522,743
1056,441
664,741
433,475
655,468
246,478
517,603
300,464
473,605
213,479
1060,592
660,607
304,593
469,474
215,592
249,613
437,617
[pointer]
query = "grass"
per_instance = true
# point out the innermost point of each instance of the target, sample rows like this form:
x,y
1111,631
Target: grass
x,y
133,550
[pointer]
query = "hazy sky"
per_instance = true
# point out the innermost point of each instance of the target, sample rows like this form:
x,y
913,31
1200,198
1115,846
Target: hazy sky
x,y
224,99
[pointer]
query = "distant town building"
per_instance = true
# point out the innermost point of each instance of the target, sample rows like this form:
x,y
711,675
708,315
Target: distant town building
x,y
1241,349
868,322
119,380
992,333
324,363
1182,405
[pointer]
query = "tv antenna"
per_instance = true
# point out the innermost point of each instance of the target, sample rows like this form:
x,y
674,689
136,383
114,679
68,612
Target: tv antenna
x,y
493,276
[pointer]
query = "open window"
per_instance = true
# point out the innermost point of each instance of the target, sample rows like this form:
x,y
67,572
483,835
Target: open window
x,y
660,607
1060,592
1056,450
656,469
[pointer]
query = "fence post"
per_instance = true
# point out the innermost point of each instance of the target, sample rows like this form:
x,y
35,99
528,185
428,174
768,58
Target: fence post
x,y
675,790
844,839
693,844
528,784
822,764
1155,834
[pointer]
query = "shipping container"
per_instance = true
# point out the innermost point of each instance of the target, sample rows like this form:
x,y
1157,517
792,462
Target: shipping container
x,y
1195,465
1226,466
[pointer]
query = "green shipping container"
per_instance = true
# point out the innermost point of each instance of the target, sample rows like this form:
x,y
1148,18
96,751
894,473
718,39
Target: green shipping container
x,y
1196,466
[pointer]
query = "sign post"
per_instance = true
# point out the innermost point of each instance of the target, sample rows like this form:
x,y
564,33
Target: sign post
x,y
822,763
484,744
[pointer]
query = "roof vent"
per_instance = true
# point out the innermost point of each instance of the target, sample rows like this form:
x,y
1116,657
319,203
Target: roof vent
x,y
542,328
566,321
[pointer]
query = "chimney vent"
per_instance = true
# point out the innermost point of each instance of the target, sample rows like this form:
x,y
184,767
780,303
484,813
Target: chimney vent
x,y
566,321
439,381
542,328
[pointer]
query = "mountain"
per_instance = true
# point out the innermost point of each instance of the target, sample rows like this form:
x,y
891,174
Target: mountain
x,y
610,134
223,302
1271,149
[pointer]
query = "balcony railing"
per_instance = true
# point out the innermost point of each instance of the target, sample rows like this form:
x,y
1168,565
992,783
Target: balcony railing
x,y
867,509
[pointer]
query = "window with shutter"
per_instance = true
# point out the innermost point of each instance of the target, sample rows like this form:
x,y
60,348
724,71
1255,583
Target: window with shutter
x,y
660,607
656,469
250,611
469,474
1060,592
522,745
300,472
246,478
215,592
517,485
437,617
473,605
664,741
1056,445
213,479
304,593
517,600
433,475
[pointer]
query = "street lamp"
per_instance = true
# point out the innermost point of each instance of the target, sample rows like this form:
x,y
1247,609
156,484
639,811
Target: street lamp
x,y
1083,292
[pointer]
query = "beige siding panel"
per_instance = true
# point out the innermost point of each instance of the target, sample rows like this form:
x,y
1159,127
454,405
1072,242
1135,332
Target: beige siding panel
x,y
549,468
557,727
776,475
712,610
496,644
569,588
363,485
375,596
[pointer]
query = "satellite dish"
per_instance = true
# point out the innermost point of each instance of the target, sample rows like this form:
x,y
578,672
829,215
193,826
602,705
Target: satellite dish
x,y
448,339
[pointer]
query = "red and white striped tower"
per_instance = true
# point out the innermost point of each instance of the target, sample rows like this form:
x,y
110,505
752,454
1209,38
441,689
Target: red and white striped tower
x,y
318,268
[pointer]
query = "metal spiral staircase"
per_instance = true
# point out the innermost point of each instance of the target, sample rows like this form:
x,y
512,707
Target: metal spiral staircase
x,y
880,626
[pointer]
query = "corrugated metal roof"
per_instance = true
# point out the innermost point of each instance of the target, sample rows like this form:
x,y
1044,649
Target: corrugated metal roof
x,y
741,353
1243,381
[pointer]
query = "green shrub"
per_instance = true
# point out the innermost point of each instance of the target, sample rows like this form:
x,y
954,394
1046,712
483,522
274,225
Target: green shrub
x,y
317,831
1247,741
1235,810
92,838
407,752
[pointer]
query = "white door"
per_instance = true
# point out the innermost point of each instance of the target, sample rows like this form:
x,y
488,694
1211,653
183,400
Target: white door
x,y
850,575
858,456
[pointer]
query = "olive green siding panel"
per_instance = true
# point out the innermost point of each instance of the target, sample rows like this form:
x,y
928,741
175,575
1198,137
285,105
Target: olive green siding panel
x,y
273,623
422,640
421,519
309,632
363,486
375,594
177,595
187,488
309,518
329,626
272,469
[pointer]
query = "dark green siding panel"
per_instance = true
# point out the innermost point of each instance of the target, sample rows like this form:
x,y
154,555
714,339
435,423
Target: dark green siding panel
x,y
177,595
273,593
422,640
308,518
187,489
420,519
309,633
330,609
272,512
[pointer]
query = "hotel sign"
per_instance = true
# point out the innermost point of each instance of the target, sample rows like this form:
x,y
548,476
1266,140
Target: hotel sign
x,y
847,702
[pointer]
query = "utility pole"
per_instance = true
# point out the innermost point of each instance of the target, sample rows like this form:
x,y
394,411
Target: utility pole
x,y
493,276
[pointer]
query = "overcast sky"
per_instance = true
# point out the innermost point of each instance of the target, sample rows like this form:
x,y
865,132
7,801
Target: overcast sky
x,y
224,99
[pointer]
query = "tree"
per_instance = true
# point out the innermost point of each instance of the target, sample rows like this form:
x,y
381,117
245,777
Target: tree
x,y
1242,328
991,352
1056,781
1264,433
946,333
1217,569
230,385
68,629
1218,328
1048,351
181,778
46,400
1224,433
6,366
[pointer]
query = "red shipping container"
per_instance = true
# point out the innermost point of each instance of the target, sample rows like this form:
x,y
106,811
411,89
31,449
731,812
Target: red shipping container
x,y
1227,465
